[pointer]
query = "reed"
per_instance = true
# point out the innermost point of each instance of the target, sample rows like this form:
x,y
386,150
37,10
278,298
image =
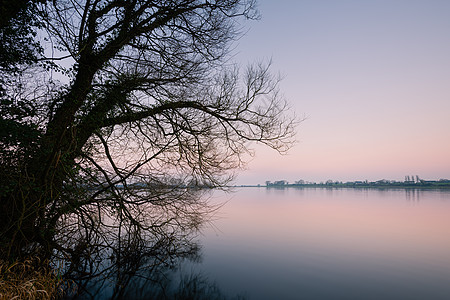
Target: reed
x,y
29,279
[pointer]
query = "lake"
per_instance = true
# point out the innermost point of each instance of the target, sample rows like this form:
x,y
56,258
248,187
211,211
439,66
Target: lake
x,y
308,243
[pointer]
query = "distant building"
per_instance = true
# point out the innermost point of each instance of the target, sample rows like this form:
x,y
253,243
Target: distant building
x,y
382,181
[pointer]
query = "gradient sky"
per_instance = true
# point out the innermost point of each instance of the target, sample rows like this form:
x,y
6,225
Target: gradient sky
x,y
372,77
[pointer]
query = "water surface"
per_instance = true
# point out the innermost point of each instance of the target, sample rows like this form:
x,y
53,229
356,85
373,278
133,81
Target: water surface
x,y
311,243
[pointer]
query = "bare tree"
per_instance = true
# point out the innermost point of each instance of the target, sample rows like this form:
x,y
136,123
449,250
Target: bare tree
x,y
151,109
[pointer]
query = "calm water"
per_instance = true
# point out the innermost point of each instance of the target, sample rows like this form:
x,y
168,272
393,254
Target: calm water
x,y
329,244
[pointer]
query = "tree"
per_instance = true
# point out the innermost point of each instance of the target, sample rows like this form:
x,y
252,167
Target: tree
x,y
144,107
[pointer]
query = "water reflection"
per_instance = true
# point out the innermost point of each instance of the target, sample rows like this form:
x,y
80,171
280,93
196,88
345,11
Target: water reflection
x,y
333,244
108,255
282,244
130,271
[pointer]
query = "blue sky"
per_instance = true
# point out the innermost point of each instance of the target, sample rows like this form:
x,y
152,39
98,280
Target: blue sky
x,y
373,80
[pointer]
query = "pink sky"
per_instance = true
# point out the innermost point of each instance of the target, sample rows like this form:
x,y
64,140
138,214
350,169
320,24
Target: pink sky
x,y
373,80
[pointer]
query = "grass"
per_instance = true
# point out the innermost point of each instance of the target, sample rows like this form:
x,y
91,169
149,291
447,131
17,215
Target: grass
x,y
29,279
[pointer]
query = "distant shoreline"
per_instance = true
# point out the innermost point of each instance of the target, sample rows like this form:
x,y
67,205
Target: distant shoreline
x,y
399,185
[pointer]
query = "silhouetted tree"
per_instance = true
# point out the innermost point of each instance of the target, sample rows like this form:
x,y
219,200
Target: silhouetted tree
x,y
130,105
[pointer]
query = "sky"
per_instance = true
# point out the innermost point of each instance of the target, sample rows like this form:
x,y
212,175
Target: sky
x,y
372,78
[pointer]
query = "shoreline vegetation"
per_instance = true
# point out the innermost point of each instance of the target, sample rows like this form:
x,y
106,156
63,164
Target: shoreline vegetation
x,y
409,183
30,278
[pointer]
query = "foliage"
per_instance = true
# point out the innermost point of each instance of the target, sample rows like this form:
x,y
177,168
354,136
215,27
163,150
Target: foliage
x,y
17,33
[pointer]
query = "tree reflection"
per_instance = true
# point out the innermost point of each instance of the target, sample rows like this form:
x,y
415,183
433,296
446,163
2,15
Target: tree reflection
x,y
132,252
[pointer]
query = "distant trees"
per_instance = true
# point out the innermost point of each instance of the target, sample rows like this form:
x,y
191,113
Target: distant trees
x,y
277,183
115,93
